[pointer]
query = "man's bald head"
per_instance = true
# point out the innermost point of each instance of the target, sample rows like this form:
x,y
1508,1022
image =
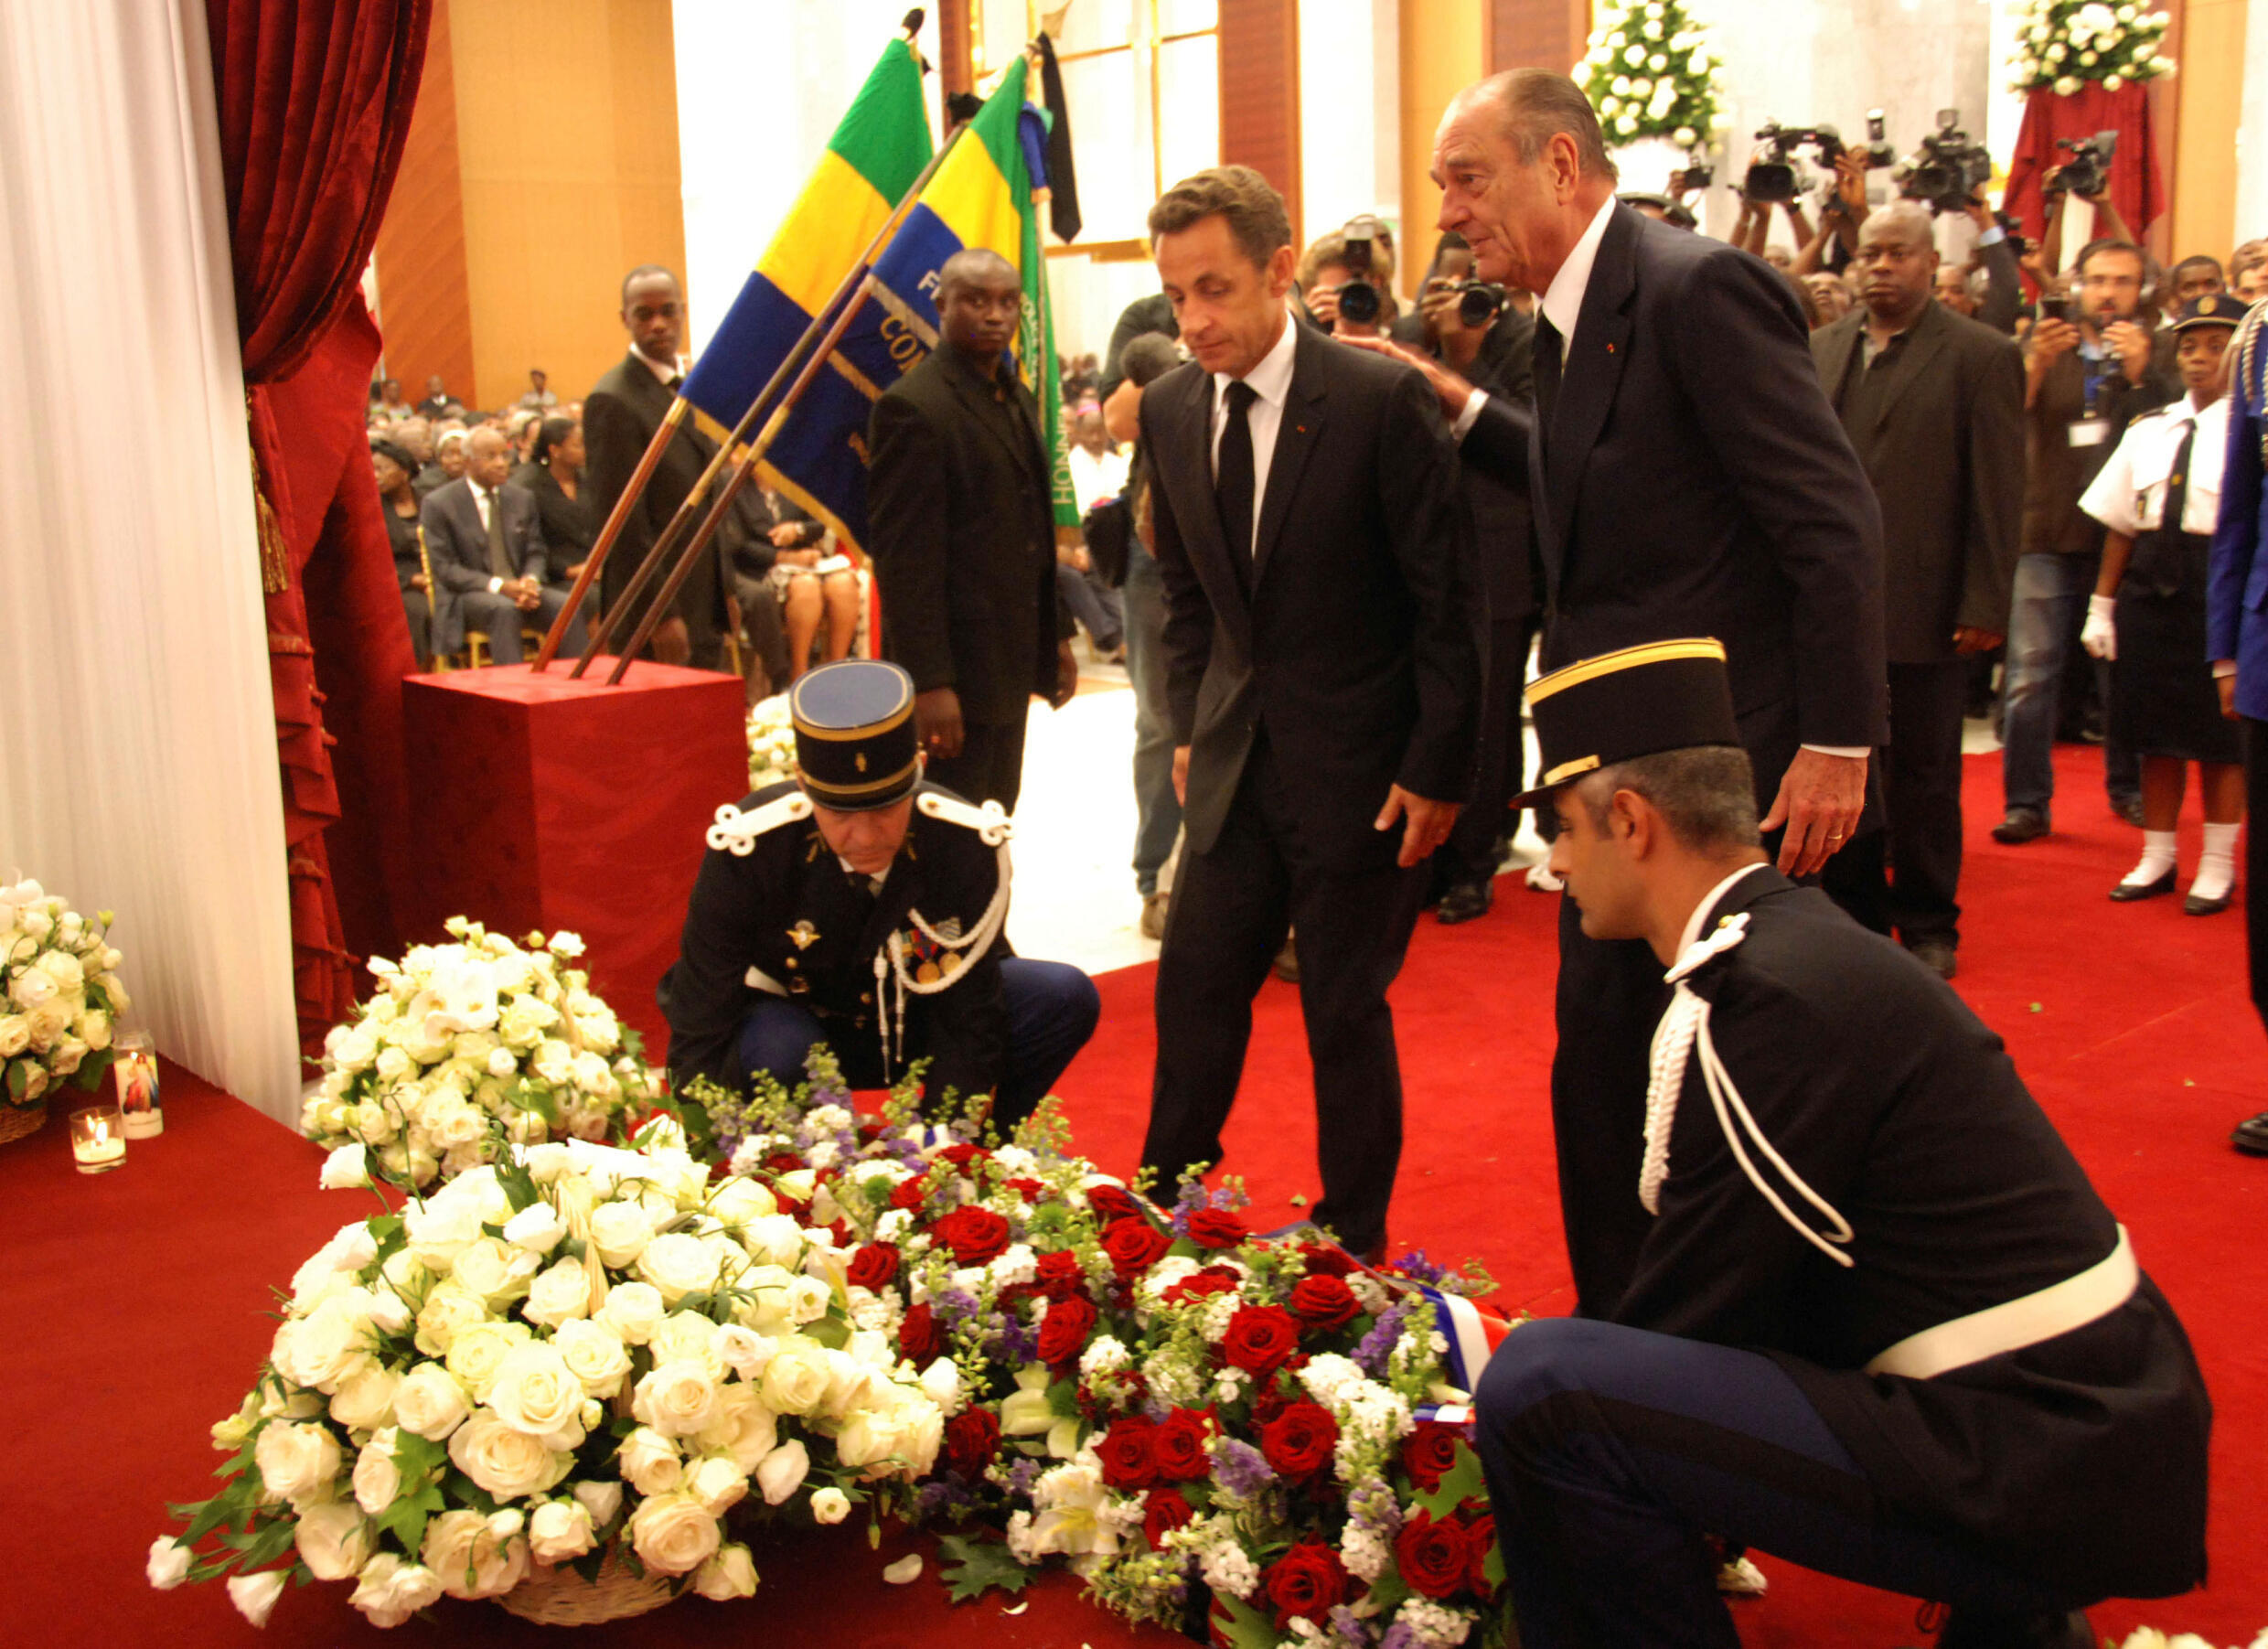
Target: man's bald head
x,y
978,265
488,457
1897,262
980,302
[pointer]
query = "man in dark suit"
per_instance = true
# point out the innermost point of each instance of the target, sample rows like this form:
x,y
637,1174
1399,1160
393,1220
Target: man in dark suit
x,y
962,530
1934,405
487,551
1324,662
1687,478
619,419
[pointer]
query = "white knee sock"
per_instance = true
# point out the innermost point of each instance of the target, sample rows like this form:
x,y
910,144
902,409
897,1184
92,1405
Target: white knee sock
x,y
2217,869
2157,858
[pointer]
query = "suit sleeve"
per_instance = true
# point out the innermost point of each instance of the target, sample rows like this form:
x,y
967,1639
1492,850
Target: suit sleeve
x,y
535,561
617,439
2004,288
2236,537
450,563
1188,614
1429,533
1996,488
1742,356
1497,444
906,538
706,994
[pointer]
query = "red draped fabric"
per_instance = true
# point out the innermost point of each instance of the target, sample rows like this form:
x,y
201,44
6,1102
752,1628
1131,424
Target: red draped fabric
x,y
314,104
2136,188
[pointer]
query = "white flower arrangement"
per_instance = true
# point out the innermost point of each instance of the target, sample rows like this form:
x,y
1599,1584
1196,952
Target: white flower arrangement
x,y
2063,44
578,1351
60,995
1649,74
771,742
466,1036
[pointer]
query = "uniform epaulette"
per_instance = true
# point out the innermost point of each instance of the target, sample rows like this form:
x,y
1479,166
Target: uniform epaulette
x,y
989,822
736,831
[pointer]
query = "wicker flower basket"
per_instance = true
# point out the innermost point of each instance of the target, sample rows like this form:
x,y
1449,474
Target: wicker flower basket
x,y
560,1596
21,1122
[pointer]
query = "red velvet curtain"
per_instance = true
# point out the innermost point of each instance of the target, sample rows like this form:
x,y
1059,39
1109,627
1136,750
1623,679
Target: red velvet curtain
x,y
314,104
2136,188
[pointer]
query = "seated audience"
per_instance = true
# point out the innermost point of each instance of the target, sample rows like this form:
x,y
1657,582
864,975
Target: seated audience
x,y
539,397
438,403
553,473
447,456
487,550
1097,473
810,586
398,505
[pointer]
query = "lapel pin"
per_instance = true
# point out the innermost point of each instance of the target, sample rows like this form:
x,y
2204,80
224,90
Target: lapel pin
x,y
1610,349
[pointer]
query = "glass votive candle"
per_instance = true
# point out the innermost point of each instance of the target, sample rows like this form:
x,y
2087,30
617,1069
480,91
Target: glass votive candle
x,y
136,1070
97,1137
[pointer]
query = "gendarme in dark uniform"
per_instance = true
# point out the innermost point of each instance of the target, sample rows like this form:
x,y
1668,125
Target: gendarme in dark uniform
x,y
788,944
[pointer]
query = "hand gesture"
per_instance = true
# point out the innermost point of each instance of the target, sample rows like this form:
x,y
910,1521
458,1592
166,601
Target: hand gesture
x,y
2100,635
1819,801
1453,390
2052,337
937,719
1323,302
1428,826
2130,343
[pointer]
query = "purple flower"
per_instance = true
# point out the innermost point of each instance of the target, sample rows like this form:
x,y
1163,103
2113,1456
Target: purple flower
x,y
1022,1476
1350,1627
1415,1266
1231,1198
1375,1507
1385,1335
953,1304
939,1496
1399,1636
1240,1468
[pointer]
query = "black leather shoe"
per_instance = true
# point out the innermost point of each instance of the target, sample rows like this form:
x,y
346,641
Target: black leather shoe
x,y
2127,892
1464,902
2022,825
2194,906
1966,1629
2129,807
2252,1136
1937,955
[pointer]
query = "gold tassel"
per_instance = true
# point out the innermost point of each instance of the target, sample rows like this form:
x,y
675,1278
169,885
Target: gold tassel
x,y
276,561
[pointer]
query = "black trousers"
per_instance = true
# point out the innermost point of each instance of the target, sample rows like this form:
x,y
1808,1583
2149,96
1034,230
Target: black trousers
x,y
1470,853
1905,877
990,767
760,623
2256,858
1231,909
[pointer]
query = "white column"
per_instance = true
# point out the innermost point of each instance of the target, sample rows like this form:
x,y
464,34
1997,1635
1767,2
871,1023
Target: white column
x,y
1350,113
2251,203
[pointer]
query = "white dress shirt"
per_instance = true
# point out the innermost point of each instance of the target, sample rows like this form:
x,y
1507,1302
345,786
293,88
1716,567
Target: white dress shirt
x,y
2128,495
1271,382
1095,478
674,369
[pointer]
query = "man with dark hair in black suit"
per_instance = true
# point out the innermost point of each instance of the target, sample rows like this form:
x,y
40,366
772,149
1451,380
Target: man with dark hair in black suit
x,y
619,418
1324,639
961,525
1686,477
1934,403
488,549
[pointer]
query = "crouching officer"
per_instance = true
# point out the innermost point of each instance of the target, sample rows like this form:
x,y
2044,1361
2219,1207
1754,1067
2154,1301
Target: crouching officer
x,y
1880,1324
861,908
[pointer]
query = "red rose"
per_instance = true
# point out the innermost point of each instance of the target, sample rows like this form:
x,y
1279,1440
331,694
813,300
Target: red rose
x,y
1113,1201
1266,1404
1064,1329
1129,1453
1324,1260
970,1438
1165,1511
1182,1445
783,1162
919,1337
1260,1338
872,1267
1213,1279
1030,1190
870,1132
910,1194
1481,1535
1433,1556
1216,1228
1058,1276
976,1235
1133,1247
1300,1440
1324,1303
961,1156
1308,1580
1429,1453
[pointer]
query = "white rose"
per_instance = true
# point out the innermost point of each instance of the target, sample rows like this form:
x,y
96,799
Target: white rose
x,y
327,1345
470,1557
2112,83
296,1461
829,1506
479,1350
537,1393
168,1564
377,1479
781,1472
601,1499
538,1228
650,1464
807,1299
394,1064
334,1540
687,1337
796,1379
390,1590
743,1351
755,1431
672,1534
94,1028
255,1595
766,1310
365,1400
506,1462
2066,85
64,968
439,1229
620,1232
32,989
14,1035
345,1168
546,1163
595,1355
678,1265
430,1402
731,1573
941,1383
677,1398
557,1294
633,1310
718,1483
561,1531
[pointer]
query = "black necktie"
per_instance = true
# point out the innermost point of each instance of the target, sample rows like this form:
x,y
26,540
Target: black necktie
x,y
2177,484
2159,559
1547,360
1232,475
499,557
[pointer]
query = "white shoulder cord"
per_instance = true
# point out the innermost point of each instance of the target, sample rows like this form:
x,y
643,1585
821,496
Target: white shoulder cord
x,y
1685,1025
736,831
992,824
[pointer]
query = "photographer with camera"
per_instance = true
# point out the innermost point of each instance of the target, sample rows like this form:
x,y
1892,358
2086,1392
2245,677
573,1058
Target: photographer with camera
x,y
1346,282
2089,371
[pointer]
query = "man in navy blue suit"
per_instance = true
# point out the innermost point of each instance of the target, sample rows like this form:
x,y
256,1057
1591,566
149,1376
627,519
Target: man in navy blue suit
x,y
2236,636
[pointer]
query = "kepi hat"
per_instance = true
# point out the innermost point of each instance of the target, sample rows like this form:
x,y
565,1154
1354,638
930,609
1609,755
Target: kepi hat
x,y
2214,309
1619,706
854,733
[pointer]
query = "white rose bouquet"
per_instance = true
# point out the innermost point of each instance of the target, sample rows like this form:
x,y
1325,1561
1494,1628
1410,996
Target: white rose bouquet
x,y
60,995
1649,72
771,742
2063,44
466,1041
576,1355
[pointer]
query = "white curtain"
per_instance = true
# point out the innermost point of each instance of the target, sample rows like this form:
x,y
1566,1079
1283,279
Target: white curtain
x,y
138,766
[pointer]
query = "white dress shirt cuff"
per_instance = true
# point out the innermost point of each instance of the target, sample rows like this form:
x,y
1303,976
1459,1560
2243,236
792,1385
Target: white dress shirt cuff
x,y
1848,752
1471,415
496,586
1991,237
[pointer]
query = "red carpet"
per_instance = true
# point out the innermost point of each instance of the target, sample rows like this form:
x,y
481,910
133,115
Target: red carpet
x,y
2131,1023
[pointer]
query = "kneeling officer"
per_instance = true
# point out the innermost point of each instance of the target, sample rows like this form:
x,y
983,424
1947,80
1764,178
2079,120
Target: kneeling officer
x,y
1880,1324
861,908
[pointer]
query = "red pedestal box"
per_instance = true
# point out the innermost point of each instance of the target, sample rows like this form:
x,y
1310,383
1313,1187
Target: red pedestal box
x,y
544,803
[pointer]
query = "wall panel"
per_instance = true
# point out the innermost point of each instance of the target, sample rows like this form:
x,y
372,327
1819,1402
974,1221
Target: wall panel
x,y
423,307
2202,163
1442,51
1261,95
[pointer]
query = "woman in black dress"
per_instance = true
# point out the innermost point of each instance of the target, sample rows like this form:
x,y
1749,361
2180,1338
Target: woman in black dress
x,y
397,501
554,473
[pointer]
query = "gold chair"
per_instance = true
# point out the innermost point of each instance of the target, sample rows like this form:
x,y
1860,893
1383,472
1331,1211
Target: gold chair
x,y
433,604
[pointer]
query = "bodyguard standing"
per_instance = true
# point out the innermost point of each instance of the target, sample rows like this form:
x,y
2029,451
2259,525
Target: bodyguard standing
x,y
1323,634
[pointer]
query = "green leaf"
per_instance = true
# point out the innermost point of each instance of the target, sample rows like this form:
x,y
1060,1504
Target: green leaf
x,y
1248,1627
88,1076
1063,1399
1461,1483
830,1332
971,1568
518,1184
20,1077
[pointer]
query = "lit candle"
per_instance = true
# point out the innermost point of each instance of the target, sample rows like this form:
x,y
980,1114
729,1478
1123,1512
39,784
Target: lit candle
x,y
136,1070
97,1138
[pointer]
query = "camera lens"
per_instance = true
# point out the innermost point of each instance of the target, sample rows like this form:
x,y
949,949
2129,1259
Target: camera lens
x,y
1358,301
1478,303
1769,180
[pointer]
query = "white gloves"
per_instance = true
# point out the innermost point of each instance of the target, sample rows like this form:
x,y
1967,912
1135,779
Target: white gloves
x,y
2099,637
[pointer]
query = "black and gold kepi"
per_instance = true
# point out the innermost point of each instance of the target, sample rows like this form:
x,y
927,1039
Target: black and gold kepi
x,y
854,733
2214,309
1641,701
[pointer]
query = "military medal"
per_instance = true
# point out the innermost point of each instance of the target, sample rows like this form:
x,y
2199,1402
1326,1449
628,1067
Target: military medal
x,y
804,936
